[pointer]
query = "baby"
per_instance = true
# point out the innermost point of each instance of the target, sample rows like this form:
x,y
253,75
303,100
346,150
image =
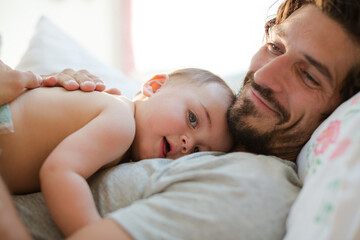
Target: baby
x,y
61,138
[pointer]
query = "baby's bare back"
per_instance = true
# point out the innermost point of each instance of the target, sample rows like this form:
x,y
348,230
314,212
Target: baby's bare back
x,y
42,118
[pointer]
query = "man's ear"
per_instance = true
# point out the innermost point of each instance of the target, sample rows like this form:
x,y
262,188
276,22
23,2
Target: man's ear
x,y
154,84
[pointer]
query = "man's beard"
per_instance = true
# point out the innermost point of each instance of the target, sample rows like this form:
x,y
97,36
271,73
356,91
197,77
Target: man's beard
x,y
279,141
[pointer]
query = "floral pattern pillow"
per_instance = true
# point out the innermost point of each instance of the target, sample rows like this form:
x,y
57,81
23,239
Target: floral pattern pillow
x,y
328,206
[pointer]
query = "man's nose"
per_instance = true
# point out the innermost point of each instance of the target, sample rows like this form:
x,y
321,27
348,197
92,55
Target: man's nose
x,y
275,74
187,144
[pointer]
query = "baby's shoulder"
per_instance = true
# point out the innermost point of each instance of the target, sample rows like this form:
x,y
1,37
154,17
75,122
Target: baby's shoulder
x,y
121,103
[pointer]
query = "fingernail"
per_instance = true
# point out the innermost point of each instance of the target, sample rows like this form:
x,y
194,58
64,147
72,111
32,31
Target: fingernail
x,y
39,78
88,82
72,82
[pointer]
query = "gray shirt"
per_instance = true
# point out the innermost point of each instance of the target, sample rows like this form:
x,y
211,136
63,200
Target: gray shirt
x,y
200,196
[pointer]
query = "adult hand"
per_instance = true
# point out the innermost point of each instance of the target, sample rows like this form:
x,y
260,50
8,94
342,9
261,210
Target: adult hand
x,y
13,82
82,79
75,80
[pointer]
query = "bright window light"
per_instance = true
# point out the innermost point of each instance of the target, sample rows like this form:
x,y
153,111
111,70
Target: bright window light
x,y
217,35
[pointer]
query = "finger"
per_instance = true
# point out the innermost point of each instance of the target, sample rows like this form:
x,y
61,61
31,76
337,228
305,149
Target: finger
x,y
86,83
63,79
30,80
113,91
11,85
14,83
48,81
99,84
68,71
66,81
87,86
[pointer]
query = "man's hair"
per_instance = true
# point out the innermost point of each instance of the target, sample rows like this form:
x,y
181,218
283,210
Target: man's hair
x,y
198,77
344,12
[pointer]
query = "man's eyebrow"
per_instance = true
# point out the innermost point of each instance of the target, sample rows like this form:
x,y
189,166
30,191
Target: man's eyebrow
x,y
320,67
278,30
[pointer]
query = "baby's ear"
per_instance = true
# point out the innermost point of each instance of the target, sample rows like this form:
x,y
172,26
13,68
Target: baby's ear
x,y
154,84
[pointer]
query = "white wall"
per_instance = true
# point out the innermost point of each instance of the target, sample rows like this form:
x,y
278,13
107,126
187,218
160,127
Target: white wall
x,y
88,21
218,35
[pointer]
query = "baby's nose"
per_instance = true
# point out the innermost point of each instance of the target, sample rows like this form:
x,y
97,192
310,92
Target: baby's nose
x,y
187,144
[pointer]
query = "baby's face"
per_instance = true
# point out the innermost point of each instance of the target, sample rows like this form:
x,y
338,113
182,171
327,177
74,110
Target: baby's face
x,y
182,119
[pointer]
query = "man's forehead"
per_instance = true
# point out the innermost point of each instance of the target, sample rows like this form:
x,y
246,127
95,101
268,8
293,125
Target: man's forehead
x,y
303,16
277,30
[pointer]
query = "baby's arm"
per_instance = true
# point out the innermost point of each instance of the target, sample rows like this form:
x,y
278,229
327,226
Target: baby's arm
x,y
11,226
64,173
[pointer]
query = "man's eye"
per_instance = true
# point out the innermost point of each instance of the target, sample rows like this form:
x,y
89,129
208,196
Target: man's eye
x,y
274,48
192,119
309,80
196,149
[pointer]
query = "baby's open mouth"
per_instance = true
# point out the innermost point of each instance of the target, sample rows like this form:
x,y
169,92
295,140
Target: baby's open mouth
x,y
167,147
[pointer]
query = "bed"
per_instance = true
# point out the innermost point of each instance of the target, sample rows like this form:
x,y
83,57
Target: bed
x,y
328,165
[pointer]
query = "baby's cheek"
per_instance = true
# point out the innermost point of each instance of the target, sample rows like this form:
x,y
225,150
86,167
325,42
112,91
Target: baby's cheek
x,y
150,123
177,124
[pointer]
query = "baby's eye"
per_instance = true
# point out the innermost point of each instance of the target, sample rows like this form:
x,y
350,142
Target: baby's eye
x,y
192,119
196,149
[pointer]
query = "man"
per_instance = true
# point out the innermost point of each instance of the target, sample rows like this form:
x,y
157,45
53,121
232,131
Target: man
x,y
307,67
297,78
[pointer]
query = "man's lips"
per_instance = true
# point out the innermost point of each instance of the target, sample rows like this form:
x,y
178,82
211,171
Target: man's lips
x,y
259,100
164,148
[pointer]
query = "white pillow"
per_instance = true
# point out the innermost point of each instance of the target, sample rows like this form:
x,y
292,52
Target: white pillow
x,y
51,50
328,206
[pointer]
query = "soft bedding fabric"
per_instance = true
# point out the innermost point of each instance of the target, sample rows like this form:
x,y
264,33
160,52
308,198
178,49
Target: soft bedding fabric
x,y
200,196
329,165
52,50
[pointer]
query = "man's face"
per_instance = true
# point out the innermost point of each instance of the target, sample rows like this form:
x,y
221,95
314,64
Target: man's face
x,y
292,84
